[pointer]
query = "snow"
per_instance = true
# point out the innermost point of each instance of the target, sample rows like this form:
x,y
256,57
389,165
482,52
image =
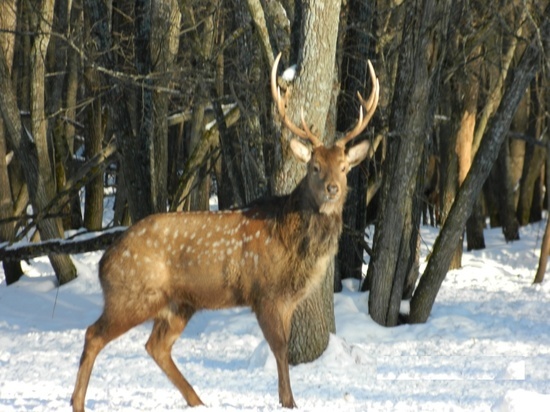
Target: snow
x,y
486,347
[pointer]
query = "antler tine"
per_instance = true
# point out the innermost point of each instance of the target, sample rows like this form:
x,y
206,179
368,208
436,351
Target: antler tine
x,y
281,106
369,106
310,136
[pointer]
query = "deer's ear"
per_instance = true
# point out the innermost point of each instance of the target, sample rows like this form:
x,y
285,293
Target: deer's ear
x,y
357,153
300,150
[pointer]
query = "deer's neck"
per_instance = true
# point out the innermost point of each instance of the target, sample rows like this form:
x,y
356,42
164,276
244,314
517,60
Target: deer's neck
x,y
305,226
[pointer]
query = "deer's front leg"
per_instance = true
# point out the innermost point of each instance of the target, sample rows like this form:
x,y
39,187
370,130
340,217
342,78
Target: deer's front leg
x,y
274,320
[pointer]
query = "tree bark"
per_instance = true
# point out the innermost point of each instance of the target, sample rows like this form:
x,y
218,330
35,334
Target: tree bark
x,y
8,20
314,90
34,155
424,296
535,155
413,107
354,79
93,203
545,247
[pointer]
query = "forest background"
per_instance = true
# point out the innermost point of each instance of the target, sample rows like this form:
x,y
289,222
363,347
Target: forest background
x,y
165,103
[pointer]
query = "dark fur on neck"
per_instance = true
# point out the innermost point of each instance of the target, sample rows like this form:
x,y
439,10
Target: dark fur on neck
x,y
296,220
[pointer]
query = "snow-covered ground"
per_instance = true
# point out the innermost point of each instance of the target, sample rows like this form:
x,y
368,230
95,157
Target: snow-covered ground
x,y
486,347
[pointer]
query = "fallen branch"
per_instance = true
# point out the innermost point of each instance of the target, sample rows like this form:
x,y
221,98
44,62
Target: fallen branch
x,y
80,243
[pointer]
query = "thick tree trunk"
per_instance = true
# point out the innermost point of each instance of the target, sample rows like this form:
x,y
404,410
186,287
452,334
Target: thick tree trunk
x,y
413,106
424,296
314,91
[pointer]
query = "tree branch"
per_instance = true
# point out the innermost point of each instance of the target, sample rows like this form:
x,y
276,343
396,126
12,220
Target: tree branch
x,y
91,242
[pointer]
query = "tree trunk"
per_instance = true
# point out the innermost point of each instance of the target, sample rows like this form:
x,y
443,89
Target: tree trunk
x,y
501,186
424,296
249,133
413,107
93,203
8,20
314,90
535,155
40,177
449,169
545,247
354,79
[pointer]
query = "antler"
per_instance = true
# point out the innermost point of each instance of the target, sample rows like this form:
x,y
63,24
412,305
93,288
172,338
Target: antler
x,y
369,106
304,133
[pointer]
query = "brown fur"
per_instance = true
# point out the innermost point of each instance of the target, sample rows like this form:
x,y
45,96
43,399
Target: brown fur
x,y
268,256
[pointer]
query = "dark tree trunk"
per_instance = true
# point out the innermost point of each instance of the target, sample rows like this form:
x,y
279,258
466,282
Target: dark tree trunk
x,y
413,106
354,79
502,193
534,161
12,270
93,203
424,296
449,169
249,72
475,240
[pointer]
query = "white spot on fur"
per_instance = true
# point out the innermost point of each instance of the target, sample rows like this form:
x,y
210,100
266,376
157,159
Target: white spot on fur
x,y
142,231
126,254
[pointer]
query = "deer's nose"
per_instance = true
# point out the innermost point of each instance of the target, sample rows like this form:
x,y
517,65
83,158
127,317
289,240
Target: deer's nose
x,y
332,189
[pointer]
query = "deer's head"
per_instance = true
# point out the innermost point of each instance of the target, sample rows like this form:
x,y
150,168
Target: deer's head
x,y
327,166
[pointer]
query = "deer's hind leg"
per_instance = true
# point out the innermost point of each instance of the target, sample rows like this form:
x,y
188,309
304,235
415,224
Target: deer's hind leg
x,y
168,326
98,335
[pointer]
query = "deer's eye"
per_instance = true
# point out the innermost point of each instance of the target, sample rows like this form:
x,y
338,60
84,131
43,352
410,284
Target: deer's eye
x,y
316,168
343,168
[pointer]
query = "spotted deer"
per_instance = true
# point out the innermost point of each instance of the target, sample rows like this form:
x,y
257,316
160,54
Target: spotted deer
x,y
268,256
